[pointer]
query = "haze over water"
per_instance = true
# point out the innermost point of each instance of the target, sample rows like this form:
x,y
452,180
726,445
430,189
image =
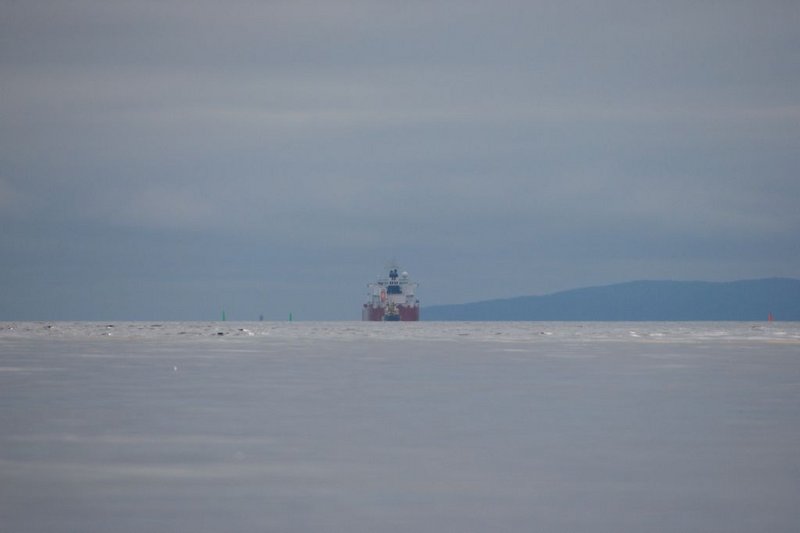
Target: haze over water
x,y
426,427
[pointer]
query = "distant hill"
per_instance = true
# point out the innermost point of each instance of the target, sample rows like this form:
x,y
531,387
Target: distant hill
x,y
748,300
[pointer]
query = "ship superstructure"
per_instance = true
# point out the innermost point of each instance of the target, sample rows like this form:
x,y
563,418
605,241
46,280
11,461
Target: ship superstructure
x,y
392,298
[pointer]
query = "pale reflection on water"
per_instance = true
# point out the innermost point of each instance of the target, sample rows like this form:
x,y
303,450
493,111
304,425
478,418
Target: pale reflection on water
x,y
361,427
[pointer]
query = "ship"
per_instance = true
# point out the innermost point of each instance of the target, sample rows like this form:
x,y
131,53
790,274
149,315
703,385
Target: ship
x,y
392,299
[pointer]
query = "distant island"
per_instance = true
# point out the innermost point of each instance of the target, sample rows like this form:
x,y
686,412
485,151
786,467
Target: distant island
x,y
746,300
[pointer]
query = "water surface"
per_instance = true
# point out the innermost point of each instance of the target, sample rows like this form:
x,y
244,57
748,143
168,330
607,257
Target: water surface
x,y
425,427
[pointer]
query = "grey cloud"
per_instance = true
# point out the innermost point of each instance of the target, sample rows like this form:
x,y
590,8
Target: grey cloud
x,y
535,145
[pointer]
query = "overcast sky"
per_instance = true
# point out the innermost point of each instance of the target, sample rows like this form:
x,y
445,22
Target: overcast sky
x,y
169,159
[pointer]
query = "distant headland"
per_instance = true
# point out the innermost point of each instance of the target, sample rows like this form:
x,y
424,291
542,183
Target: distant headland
x,y
746,300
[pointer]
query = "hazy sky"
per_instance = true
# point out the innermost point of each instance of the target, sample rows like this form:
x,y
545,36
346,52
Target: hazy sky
x,y
170,159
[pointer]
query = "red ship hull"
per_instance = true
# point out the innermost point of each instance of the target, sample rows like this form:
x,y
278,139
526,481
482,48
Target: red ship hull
x,y
377,313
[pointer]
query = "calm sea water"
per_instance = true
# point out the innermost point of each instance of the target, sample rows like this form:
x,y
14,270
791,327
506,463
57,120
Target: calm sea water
x,y
424,427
